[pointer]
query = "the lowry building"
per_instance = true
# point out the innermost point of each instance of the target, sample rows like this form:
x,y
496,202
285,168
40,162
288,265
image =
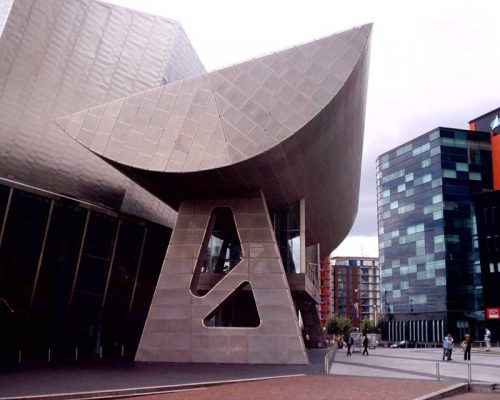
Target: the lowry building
x,y
112,134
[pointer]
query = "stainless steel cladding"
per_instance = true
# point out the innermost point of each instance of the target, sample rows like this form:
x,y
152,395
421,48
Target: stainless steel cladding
x,y
290,124
58,57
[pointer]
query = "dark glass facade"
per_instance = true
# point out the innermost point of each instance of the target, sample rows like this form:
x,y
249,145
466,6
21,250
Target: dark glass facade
x,y
286,223
431,277
487,207
73,276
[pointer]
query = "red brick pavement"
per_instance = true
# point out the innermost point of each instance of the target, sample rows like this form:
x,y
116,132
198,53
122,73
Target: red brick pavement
x,y
311,388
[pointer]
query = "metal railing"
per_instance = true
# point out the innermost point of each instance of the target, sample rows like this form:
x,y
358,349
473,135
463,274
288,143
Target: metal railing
x,y
75,354
330,355
469,371
312,271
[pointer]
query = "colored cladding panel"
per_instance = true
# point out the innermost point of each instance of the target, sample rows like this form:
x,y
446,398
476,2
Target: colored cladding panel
x,y
495,156
472,125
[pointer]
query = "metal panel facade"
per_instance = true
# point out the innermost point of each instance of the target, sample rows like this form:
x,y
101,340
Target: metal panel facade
x,y
58,57
290,123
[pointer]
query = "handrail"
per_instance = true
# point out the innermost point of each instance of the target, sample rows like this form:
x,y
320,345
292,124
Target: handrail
x,y
330,355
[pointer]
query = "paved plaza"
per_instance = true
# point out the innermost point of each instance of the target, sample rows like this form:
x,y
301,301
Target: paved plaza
x,y
399,373
310,388
419,364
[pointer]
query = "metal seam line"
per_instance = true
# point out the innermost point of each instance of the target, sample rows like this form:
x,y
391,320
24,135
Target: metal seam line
x,y
6,214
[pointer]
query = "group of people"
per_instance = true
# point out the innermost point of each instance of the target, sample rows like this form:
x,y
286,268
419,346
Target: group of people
x,y
349,342
466,345
448,347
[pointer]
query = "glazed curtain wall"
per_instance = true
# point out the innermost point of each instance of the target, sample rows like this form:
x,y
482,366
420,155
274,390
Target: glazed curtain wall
x,y
73,277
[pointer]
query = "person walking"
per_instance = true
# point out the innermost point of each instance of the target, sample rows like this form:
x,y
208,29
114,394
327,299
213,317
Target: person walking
x,y
450,346
366,341
349,342
446,347
467,345
487,339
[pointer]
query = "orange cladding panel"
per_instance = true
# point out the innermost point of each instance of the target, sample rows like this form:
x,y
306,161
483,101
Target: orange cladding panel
x,y
495,155
472,126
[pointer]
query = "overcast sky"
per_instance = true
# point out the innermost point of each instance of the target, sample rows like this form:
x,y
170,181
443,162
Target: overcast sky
x,y
433,63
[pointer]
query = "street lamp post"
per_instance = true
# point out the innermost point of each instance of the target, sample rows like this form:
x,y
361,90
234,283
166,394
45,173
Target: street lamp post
x,y
375,315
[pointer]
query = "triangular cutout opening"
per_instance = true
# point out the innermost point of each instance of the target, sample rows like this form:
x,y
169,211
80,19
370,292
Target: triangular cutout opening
x,y
238,310
220,251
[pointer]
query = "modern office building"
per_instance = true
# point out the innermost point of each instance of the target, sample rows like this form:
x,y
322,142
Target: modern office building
x,y
487,206
355,289
428,243
112,133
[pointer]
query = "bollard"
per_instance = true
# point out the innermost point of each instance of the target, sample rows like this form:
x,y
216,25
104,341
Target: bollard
x,y
19,356
469,372
48,355
76,353
437,372
100,352
123,351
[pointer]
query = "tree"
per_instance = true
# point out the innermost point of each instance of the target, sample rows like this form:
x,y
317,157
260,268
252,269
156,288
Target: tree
x,y
367,326
338,326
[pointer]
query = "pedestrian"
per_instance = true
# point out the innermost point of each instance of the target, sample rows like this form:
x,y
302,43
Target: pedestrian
x,y
450,346
366,341
350,342
446,346
487,339
466,346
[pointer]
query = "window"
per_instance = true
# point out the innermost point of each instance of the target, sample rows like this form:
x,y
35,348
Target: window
x,y
437,215
449,173
475,176
421,149
424,179
426,163
434,135
415,229
418,299
437,199
440,281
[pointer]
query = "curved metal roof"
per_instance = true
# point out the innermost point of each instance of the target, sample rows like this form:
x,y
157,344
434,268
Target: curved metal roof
x,y
289,123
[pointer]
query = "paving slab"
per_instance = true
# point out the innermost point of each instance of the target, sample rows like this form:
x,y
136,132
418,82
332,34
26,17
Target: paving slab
x,y
418,364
